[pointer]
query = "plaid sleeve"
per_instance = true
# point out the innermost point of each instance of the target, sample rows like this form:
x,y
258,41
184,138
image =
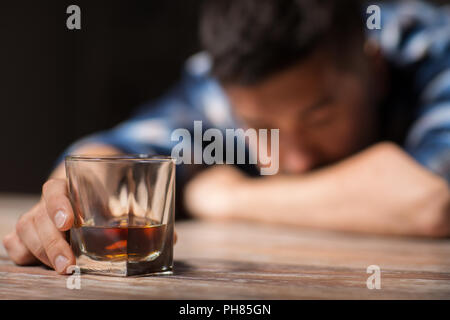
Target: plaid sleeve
x,y
417,35
196,97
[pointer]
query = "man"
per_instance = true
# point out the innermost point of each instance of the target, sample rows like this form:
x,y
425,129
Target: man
x,y
364,123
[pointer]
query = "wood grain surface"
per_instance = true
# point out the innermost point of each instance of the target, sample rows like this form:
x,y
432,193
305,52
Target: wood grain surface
x,y
244,261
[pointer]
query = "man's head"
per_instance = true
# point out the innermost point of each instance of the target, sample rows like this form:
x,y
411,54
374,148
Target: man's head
x,y
296,65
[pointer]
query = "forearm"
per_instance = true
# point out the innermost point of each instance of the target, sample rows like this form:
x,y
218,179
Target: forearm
x,y
380,190
97,149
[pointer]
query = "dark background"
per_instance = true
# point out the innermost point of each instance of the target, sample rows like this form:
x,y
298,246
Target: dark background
x,y
57,85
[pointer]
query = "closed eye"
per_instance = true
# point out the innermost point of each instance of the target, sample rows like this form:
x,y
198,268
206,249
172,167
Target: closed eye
x,y
320,113
319,117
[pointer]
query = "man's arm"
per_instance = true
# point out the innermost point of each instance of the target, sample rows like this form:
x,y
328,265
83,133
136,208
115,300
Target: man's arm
x,y
89,149
380,190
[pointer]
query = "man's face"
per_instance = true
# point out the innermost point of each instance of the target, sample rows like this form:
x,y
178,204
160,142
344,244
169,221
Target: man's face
x,y
324,114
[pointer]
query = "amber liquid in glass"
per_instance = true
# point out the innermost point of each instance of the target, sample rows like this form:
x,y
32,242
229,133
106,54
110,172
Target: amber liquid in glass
x,y
141,245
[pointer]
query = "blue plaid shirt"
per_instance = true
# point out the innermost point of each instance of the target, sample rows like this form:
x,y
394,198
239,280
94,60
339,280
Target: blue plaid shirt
x,y
414,38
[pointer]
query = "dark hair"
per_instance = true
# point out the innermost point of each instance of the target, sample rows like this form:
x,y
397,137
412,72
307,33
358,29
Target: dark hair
x,y
249,40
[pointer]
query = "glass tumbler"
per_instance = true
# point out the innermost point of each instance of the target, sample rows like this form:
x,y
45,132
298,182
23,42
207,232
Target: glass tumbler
x,y
124,213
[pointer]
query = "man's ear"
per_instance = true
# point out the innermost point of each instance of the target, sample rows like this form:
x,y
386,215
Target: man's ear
x,y
371,47
378,68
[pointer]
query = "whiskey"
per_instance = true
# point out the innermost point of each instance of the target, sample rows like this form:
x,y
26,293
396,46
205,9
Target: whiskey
x,y
124,210
133,243
139,245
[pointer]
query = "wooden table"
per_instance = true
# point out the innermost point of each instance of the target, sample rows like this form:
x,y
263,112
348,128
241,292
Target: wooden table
x,y
242,261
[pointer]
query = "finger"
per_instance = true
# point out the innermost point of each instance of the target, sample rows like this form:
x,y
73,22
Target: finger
x,y
57,203
27,233
175,237
17,251
56,247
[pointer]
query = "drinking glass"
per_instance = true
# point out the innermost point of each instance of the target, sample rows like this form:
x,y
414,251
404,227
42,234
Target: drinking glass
x,y
124,213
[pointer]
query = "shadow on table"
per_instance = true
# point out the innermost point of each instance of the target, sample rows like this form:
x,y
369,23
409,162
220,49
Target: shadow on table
x,y
181,268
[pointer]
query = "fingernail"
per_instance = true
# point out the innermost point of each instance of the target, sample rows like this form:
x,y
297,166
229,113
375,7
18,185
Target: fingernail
x,y
61,263
60,219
